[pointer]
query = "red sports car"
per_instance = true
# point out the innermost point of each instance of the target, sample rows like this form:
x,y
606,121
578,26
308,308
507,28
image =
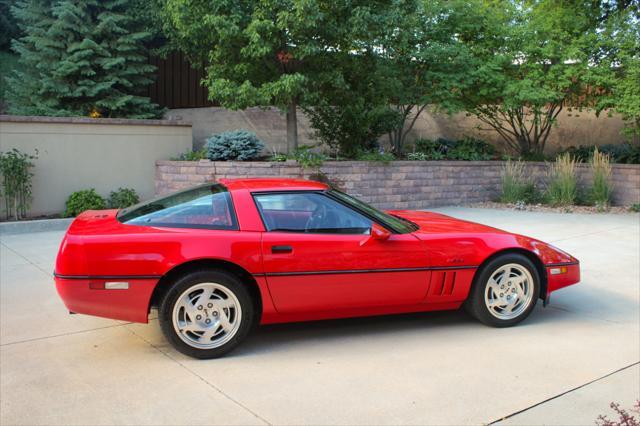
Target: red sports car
x,y
220,258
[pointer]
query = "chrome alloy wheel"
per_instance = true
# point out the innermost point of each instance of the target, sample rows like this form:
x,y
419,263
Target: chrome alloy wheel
x,y
207,315
509,291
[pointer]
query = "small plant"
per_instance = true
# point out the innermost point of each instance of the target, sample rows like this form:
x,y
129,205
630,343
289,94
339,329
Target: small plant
x,y
602,185
417,156
516,186
635,208
308,158
15,168
192,155
334,182
383,157
235,145
79,201
123,198
562,188
277,156
625,418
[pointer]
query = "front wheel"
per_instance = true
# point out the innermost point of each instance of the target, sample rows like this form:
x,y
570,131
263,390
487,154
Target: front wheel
x,y
206,314
505,291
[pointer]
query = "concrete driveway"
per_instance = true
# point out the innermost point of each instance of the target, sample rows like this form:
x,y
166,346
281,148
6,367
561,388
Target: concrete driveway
x,y
564,365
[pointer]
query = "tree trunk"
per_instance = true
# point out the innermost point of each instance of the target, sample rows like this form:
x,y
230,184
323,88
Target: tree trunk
x,y
292,128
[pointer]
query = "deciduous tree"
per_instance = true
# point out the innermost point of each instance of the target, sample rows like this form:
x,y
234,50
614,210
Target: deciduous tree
x,y
256,53
532,58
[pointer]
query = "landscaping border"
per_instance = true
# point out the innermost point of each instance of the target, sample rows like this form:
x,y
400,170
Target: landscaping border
x,y
398,184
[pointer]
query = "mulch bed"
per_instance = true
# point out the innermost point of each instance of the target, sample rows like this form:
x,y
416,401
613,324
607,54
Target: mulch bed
x,y
550,209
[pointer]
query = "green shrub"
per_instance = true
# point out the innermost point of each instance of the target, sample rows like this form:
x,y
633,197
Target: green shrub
x,y
467,149
516,186
625,153
581,153
15,169
635,208
470,149
235,145
351,125
432,150
123,198
532,156
602,186
79,201
562,189
308,158
192,155
384,157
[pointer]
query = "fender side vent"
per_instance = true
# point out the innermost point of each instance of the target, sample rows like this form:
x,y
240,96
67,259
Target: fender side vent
x,y
442,283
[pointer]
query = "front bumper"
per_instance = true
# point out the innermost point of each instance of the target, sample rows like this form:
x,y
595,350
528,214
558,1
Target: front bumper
x,y
562,275
85,295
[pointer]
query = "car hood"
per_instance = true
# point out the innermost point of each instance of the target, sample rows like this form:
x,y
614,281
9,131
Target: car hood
x,y
436,223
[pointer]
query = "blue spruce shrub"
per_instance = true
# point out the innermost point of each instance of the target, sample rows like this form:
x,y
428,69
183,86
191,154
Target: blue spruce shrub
x,y
235,145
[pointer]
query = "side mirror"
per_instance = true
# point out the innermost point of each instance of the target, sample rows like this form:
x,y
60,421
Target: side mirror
x,y
379,233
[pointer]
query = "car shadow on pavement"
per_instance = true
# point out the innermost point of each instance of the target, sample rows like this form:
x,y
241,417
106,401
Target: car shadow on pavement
x,y
275,337
573,306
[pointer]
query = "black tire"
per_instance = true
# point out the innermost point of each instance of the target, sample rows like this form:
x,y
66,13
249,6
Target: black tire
x,y
231,283
475,304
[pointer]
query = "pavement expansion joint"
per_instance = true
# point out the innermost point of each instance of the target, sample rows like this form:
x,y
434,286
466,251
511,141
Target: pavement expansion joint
x,y
208,383
563,393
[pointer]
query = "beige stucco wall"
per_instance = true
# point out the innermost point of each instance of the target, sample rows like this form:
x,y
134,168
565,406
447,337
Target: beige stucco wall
x,y
269,124
80,153
573,127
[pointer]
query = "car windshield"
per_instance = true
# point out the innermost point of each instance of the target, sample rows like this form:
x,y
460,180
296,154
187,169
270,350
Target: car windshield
x,y
206,206
397,223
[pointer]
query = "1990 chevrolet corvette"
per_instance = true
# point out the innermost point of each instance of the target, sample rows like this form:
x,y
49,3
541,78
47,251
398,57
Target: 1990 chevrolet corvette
x,y
220,258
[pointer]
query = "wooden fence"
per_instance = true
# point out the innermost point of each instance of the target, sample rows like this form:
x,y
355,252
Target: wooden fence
x,y
177,83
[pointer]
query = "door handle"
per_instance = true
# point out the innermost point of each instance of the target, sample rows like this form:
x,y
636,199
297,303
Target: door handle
x,y
281,249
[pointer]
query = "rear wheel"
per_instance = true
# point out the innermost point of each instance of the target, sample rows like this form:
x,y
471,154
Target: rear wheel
x,y
206,314
505,291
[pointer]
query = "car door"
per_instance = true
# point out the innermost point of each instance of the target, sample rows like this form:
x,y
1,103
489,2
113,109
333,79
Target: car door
x,y
318,255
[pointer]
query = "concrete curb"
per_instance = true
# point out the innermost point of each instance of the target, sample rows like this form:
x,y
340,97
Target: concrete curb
x,y
28,226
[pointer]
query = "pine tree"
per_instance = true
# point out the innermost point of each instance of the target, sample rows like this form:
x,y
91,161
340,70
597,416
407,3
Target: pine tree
x,y
8,27
79,57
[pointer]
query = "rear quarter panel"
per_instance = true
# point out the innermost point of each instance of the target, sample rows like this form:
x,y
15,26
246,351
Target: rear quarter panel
x,y
139,256
120,249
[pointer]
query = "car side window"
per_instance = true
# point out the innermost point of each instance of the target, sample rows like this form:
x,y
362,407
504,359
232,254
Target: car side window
x,y
207,207
309,212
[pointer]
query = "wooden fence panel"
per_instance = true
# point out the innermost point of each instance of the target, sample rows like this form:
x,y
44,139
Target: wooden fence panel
x,y
177,83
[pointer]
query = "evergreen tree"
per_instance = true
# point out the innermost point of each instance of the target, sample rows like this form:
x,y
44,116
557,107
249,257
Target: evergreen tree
x,y
80,57
8,27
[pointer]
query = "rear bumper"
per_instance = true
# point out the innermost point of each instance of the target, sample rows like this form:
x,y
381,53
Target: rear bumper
x,y
562,275
85,295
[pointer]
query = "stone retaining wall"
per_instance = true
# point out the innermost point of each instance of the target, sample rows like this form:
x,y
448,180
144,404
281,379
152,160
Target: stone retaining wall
x,y
399,184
